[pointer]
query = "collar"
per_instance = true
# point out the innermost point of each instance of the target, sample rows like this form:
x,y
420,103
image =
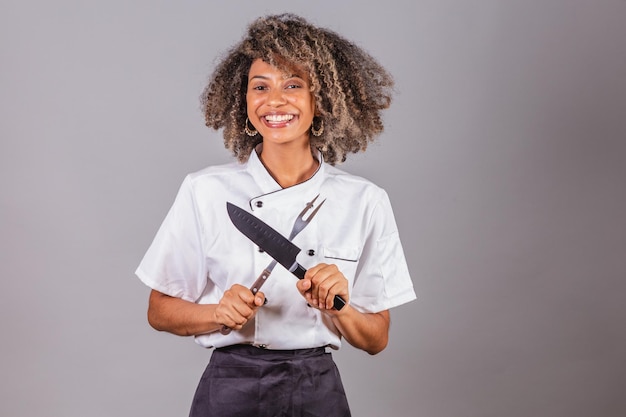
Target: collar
x,y
271,192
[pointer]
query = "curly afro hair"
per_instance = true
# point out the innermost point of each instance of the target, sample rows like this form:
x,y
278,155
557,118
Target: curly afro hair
x,y
349,86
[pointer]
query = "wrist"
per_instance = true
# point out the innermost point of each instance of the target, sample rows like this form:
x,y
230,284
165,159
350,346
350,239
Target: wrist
x,y
345,312
211,319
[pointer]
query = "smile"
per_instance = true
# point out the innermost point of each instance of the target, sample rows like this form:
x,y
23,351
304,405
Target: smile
x,y
278,118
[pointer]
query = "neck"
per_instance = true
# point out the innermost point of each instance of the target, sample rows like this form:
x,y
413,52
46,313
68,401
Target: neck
x,y
289,165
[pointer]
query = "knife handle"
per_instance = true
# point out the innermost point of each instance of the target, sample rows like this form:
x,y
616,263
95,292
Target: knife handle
x,y
299,271
338,302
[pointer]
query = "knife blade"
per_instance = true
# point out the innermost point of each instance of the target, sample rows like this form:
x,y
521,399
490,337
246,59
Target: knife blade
x,y
272,242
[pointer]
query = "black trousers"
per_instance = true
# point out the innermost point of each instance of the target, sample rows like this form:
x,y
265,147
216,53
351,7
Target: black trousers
x,y
246,381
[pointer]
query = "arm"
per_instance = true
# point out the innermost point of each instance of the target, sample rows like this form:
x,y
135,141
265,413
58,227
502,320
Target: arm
x,y
366,331
184,318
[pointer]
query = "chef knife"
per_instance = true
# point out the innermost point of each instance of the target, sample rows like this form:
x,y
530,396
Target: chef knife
x,y
272,242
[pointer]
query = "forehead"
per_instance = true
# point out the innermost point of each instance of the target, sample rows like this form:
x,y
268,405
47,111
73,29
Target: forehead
x,y
286,69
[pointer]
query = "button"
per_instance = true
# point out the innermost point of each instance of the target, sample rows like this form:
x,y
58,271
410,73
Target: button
x,y
262,346
311,252
259,204
261,250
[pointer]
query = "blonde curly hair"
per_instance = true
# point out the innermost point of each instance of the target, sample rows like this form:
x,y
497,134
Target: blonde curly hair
x,y
349,86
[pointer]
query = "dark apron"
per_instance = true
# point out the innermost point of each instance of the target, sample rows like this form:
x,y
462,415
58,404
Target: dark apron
x,y
246,381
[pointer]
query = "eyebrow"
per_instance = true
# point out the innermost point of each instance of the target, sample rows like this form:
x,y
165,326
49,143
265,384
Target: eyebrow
x,y
265,77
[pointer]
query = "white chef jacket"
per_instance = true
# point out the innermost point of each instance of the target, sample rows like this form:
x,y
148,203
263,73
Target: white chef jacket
x,y
197,253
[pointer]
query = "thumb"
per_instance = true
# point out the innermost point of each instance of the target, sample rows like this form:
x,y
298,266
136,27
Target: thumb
x,y
303,285
259,299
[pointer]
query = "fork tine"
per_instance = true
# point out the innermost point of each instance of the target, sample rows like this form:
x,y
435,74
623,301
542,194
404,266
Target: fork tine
x,y
301,222
308,206
314,212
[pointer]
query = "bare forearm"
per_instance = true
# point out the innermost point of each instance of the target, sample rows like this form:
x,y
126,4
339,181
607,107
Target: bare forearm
x,y
180,317
366,331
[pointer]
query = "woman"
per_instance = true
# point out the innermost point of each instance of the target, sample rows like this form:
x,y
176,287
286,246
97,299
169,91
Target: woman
x,y
293,100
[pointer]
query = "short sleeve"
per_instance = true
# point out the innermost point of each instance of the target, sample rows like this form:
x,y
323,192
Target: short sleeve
x,y
382,279
175,261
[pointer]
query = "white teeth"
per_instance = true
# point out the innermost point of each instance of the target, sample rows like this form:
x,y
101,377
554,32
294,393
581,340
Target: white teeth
x,y
278,117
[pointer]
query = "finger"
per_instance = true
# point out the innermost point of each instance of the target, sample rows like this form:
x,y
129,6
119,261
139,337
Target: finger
x,y
311,272
246,295
259,299
329,301
303,285
243,310
236,324
325,292
322,281
231,318
335,284
308,299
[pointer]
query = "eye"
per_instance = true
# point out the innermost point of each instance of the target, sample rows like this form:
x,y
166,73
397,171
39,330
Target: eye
x,y
294,83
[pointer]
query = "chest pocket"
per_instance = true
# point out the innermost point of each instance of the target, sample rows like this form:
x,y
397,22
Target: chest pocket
x,y
346,258
350,254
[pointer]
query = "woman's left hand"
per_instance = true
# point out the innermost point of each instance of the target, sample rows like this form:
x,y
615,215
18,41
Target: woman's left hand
x,y
367,331
321,284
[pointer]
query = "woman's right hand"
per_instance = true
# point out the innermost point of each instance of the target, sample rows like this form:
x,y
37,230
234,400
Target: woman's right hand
x,y
237,306
186,318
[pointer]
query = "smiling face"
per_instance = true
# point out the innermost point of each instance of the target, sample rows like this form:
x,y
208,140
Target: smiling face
x,y
280,105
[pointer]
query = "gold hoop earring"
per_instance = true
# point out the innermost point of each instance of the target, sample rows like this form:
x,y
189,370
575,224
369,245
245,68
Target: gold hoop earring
x,y
318,132
249,132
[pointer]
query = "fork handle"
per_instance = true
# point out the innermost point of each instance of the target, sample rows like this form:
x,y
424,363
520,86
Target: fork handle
x,y
255,287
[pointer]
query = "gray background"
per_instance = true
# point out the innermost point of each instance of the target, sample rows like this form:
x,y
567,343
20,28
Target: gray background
x,y
504,156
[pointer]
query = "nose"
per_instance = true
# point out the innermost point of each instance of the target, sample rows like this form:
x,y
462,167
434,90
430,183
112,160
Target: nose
x,y
276,97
